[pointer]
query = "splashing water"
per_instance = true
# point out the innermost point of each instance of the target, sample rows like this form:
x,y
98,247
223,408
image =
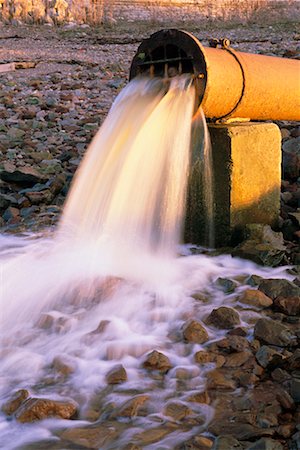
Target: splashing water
x,y
107,286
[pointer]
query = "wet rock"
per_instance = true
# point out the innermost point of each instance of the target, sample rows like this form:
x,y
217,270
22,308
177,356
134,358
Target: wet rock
x,y
64,365
274,288
11,405
186,373
116,375
95,436
261,245
178,411
240,431
41,408
219,380
153,435
131,446
253,280
255,298
195,332
24,176
233,343
227,443
27,212
157,361
266,444
228,286
288,305
267,356
238,331
131,407
203,357
55,321
200,397
223,317
237,359
196,443
273,333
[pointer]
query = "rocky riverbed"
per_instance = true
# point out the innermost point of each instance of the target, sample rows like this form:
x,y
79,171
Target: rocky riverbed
x,y
240,331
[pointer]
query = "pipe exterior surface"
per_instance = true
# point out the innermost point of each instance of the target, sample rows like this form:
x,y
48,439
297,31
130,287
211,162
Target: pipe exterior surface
x,y
229,84
251,86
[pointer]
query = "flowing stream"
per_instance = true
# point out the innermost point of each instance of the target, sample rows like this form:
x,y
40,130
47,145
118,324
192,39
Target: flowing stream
x,y
111,283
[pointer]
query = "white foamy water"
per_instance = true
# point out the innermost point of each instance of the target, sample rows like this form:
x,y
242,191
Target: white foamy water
x,y
107,287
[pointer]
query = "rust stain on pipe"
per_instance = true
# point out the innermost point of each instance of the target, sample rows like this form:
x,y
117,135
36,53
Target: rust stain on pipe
x,y
230,84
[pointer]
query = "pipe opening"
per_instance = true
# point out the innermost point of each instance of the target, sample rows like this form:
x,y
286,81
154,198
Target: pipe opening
x,y
168,53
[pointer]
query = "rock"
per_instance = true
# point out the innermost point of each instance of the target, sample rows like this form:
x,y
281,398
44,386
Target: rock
x,y
286,430
178,411
288,305
227,443
116,375
240,431
253,280
200,397
261,245
36,198
11,214
24,176
255,298
223,317
227,286
157,361
203,357
35,409
291,158
186,373
6,201
233,343
195,332
196,443
274,333
294,360
94,436
153,435
15,401
27,212
267,356
237,359
274,288
295,387
238,331
131,407
16,134
64,365
280,375
219,380
285,400
266,444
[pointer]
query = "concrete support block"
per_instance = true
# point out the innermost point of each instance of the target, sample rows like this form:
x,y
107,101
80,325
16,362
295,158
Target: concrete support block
x,y
247,178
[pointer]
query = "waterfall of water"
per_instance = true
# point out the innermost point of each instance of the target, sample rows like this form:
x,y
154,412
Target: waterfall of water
x,y
131,185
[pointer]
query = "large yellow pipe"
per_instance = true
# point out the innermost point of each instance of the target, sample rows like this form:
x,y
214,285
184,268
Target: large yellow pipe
x,y
230,84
